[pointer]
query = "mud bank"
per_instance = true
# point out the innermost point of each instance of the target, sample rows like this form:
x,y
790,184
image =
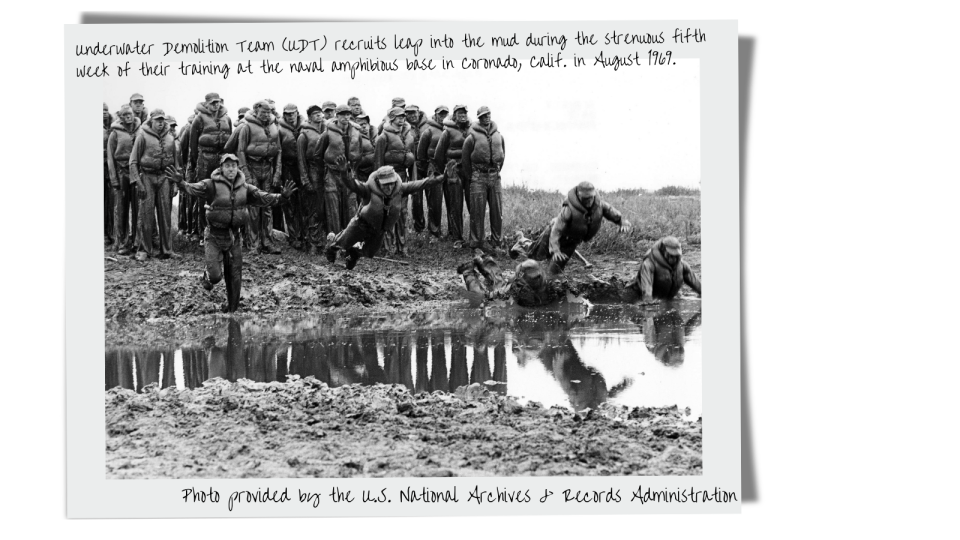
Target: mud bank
x,y
304,428
142,299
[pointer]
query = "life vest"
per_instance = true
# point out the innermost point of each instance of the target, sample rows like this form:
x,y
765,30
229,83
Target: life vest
x,y
584,224
667,279
435,130
379,211
312,135
367,152
400,145
487,146
215,131
341,144
456,138
227,208
288,138
125,140
262,141
159,151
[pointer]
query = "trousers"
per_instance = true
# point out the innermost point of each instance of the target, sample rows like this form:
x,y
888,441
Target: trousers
x,y
485,190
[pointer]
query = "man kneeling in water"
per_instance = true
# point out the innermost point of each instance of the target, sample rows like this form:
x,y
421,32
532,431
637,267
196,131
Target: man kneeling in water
x,y
528,286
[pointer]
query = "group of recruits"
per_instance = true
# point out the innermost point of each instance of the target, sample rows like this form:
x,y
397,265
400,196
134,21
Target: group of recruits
x,y
317,169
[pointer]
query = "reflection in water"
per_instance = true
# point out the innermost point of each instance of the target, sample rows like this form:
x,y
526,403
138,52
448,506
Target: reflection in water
x,y
529,349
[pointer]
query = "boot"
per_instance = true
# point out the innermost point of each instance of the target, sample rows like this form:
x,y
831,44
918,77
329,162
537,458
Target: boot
x,y
331,253
353,255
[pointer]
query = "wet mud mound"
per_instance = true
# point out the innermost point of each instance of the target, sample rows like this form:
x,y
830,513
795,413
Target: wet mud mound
x,y
304,428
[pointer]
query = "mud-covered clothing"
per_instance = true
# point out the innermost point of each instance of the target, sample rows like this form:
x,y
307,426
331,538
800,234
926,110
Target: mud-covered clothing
x,y
575,225
427,143
152,152
226,201
258,143
308,144
311,194
485,190
367,151
209,133
154,213
394,147
516,288
227,207
288,138
657,279
378,213
118,149
483,150
450,147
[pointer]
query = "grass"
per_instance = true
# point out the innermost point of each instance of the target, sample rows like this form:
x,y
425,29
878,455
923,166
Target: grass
x,y
652,217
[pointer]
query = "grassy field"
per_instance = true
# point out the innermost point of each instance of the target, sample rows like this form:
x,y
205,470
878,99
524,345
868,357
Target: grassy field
x,y
652,216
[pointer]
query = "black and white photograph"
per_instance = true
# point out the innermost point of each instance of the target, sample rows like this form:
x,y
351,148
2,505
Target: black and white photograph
x,y
348,251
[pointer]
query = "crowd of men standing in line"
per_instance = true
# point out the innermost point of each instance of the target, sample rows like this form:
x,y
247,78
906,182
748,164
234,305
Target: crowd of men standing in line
x,y
323,154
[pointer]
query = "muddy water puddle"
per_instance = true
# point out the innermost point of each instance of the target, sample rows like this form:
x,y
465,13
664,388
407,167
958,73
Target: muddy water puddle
x,y
574,356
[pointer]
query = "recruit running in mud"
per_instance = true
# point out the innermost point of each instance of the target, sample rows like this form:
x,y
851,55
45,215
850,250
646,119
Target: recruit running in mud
x,y
331,182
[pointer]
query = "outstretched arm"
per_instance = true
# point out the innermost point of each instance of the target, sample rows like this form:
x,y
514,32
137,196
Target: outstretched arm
x,y
614,215
417,185
690,277
645,280
556,233
257,197
203,188
360,188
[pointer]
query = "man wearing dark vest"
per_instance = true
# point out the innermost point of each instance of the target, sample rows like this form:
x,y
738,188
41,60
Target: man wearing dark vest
x,y
426,151
450,148
258,150
381,197
153,151
579,221
367,151
394,147
109,191
209,132
119,147
227,195
663,272
311,180
290,126
416,123
483,154
339,139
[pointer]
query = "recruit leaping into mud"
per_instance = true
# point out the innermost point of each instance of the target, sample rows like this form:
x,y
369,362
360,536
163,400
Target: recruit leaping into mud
x,y
381,195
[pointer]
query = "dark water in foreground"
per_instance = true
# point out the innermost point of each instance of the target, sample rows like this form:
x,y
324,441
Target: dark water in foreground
x,y
575,357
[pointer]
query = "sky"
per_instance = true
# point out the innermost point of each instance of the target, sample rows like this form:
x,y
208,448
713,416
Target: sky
x,y
636,127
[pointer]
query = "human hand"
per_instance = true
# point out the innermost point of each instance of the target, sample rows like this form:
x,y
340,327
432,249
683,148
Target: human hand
x,y
174,174
288,189
625,225
559,257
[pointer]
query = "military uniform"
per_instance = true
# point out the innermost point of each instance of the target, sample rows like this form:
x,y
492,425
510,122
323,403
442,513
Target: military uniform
x,y
258,149
482,159
450,147
394,147
656,278
378,213
227,209
292,209
311,179
151,154
426,151
119,148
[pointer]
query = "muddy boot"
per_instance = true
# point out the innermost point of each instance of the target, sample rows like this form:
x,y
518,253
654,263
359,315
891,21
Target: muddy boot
x,y
205,282
490,270
353,255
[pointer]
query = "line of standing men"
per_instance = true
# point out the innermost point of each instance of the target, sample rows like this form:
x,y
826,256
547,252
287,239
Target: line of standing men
x,y
274,148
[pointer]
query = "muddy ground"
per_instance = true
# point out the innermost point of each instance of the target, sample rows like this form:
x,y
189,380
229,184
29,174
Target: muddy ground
x,y
303,428
161,300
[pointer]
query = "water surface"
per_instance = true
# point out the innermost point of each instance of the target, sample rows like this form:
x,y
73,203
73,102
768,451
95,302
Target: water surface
x,y
575,357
